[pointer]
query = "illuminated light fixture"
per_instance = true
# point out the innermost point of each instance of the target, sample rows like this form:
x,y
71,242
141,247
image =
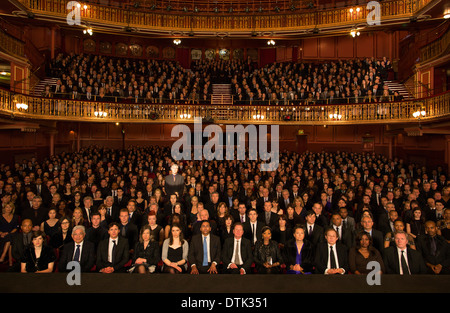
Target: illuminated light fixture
x,y
78,5
5,73
271,42
185,115
22,106
335,116
447,15
419,114
351,10
354,33
258,117
100,114
85,7
358,9
177,41
196,10
88,31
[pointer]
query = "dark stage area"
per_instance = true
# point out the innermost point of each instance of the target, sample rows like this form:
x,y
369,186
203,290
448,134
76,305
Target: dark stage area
x,y
254,284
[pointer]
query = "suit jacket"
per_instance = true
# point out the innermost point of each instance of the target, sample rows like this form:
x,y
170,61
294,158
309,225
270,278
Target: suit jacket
x,y
87,258
317,235
273,221
248,233
245,252
173,186
321,257
195,255
131,233
415,261
442,255
122,254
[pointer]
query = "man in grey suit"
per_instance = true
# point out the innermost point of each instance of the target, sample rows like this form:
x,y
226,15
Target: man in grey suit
x,y
204,251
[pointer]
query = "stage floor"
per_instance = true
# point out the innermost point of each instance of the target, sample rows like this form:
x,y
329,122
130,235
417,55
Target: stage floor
x,y
223,283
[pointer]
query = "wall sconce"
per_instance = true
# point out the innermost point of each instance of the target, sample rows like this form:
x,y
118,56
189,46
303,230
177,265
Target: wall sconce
x,y
335,116
271,42
418,115
185,115
258,117
22,106
88,31
177,41
354,33
100,114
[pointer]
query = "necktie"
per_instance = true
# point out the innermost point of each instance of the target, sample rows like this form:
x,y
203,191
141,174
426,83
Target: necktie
x,y
310,230
337,230
332,258
242,218
405,268
205,252
253,232
113,253
433,246
76,257
236,254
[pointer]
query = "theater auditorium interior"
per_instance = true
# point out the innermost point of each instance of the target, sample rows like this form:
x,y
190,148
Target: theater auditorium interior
x,y
152,123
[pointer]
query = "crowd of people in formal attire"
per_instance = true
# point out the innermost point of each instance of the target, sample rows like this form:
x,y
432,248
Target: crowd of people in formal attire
x,y
335,82
111,79
139,211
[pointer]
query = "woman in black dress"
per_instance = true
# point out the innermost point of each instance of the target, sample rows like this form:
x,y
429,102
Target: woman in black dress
x,y
175,252
38,257
146,253
9,224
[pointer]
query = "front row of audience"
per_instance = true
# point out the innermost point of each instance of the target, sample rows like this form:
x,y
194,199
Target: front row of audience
x,y
107,251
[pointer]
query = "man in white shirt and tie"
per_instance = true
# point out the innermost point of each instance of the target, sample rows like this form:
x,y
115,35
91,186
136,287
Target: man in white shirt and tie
x,y
402,260
237,252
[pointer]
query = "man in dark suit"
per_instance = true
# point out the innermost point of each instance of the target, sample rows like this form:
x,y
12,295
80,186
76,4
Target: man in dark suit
x,y
435,250
174,183
121,200
345,235
267,217
331,256
79,250
37,213
321,219
128,230
253,227
377,235
96,232
204,251
285,200
262,200
19,242
113,253
314,232
112,209
88,208
401,260
237,256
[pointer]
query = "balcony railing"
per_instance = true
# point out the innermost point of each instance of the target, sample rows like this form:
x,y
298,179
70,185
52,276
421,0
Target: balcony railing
x,y
39,108
166,20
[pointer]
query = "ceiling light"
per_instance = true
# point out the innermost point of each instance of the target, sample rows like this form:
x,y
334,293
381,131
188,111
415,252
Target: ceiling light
x,y
447,15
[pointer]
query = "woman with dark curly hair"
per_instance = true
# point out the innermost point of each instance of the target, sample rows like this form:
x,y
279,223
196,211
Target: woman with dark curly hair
x,y
363,253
